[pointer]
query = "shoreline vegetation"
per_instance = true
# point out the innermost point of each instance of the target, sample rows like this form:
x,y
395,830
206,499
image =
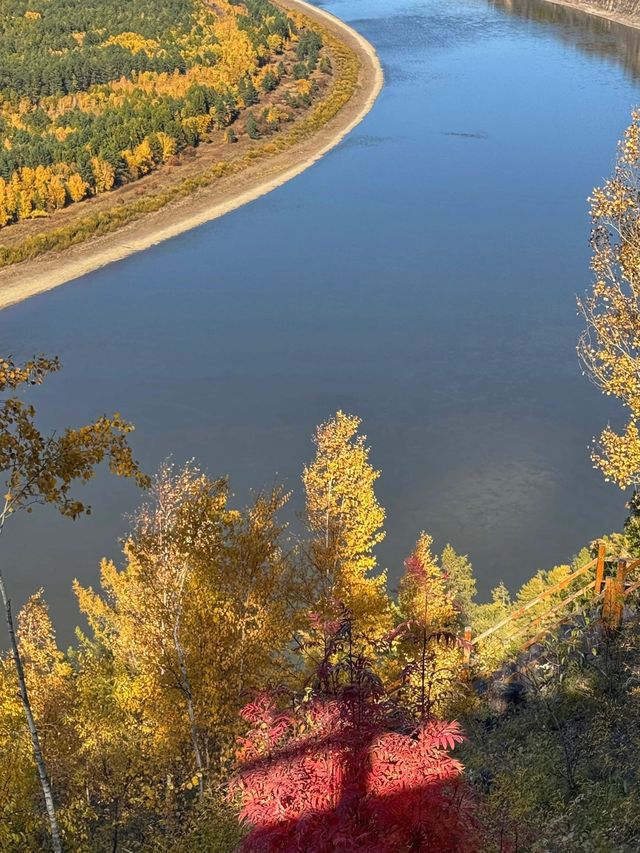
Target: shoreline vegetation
x,y
90,241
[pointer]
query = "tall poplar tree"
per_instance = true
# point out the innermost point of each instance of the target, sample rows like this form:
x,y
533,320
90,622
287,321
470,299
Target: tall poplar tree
x,y
344,523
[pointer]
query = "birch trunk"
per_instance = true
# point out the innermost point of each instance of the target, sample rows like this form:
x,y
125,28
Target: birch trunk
x,y
31,723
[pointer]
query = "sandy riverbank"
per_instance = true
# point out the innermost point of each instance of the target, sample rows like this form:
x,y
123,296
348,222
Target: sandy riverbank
x,y
27,279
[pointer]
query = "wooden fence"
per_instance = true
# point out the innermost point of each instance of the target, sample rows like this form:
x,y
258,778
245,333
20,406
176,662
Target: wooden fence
x,y
608,588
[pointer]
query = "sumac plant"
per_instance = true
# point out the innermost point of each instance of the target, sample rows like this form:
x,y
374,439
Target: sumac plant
x,y
350,772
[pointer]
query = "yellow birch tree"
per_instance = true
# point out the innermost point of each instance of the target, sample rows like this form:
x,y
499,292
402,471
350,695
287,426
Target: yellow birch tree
x,y
41,469
609,347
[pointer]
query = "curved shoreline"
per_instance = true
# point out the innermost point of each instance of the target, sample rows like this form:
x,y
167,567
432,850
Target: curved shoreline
x,y
30,278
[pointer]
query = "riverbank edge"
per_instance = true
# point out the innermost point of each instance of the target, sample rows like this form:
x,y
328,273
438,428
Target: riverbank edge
x,y
51,270
631,20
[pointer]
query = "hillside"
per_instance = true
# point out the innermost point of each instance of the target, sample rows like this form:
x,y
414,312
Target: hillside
x,y
553,758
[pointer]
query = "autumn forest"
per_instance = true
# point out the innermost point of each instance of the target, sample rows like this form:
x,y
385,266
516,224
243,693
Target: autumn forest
x,y
106,94
238,680
238,685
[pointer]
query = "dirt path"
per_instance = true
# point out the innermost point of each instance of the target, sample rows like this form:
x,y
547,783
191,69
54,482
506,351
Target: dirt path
x,y
27,279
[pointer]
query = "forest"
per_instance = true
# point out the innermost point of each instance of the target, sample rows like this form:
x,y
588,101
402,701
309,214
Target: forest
x,y
96,95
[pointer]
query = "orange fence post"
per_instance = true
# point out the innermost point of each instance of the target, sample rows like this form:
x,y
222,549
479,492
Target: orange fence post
x,y
606,604
466,650
612,604
600,568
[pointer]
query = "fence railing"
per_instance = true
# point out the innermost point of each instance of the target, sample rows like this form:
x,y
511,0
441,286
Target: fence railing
x,y
611,589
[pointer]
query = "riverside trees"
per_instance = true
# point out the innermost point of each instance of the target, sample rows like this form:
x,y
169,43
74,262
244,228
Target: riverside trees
x,y
212,606
230,667
99,94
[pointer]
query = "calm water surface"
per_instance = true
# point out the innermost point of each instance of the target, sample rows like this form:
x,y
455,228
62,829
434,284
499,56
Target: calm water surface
x,y
421,275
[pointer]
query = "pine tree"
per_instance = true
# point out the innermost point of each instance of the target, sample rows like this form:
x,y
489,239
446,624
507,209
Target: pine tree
x,y
251,126
460,582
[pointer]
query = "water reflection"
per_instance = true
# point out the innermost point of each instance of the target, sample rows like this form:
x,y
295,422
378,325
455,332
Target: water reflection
x,y
591,34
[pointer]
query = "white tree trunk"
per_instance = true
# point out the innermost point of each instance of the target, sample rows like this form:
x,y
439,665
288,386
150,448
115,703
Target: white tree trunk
x,y
31,723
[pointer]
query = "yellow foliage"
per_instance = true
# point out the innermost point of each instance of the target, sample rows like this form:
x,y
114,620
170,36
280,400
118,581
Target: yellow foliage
x,y
275,115
617,455
201,613
16,121
77,187
103,174
201,123
168,145
236,55
31,193
275,42
133,42
345,521
609,347
61,133
425,660
139,160
423,591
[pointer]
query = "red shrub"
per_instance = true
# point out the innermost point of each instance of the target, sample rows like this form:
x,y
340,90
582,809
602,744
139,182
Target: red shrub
x,y
341,774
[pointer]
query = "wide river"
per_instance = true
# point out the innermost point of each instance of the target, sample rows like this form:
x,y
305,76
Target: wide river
x,y
422,275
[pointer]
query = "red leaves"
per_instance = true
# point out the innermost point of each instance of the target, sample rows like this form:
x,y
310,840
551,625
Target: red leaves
x,y
400,762
416,570
322,778
269,727
444,735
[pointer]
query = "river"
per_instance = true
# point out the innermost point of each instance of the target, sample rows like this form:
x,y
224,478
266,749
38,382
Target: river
x,y
422,275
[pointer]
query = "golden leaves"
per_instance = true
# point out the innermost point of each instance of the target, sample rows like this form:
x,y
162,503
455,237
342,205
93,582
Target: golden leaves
x,y
41,468
139,160
103,174
31,372
218,49
617,455
609,348
345,519
237,57
133,42
76,187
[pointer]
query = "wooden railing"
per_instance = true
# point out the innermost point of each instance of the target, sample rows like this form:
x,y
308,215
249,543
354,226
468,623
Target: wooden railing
x,y
612,589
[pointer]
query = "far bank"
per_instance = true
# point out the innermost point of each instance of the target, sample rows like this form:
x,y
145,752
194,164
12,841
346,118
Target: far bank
x,y
261,169
625,12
